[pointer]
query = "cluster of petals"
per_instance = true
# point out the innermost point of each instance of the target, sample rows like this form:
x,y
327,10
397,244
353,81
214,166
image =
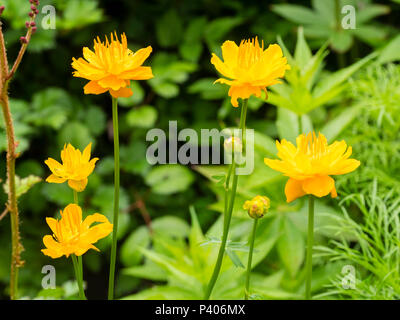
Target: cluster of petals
x,y
249,68
112,66
75,168
310,165
71,235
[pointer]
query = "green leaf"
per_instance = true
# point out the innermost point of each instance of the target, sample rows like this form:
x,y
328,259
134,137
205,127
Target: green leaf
x,y
207,89
302,53
391,52
79,13
192,47
166,90
169,179
22,185
169,29
50,107
142,117
149,271
169,265
291,247
371,11
95,119
50,294
234,258
75,133
42,40
287,124
334,127
325,9
130,254
341,41
196,235
60,194
171,226
340,76
218,28
296,13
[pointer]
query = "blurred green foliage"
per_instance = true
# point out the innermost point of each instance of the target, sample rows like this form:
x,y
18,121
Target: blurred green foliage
x,y
167,251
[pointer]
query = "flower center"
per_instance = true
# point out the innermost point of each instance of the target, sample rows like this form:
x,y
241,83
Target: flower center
x,y
250,52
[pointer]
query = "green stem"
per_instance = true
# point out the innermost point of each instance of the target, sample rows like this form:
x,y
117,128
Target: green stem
x,y
75,197
79,275
227,185
310,241
253,236
116,200
228,216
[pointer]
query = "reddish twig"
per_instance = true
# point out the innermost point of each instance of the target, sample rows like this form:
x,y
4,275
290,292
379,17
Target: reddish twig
x,y
4,213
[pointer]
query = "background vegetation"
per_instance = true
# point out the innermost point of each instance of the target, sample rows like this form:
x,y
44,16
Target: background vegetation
x,y
344,83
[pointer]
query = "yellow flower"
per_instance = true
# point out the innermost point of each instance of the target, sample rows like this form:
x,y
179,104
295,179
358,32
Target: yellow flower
x,y
71,235
310,165
75,167
257,207
112,66
250,68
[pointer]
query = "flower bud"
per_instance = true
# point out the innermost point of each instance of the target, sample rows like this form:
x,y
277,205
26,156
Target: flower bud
x,y
234,143
34,29
23,40
33,24
2,9
257,207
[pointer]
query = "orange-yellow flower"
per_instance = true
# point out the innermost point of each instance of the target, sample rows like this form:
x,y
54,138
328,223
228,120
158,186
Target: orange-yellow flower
x,y
112,66
250,68
75,167
311,164
71,235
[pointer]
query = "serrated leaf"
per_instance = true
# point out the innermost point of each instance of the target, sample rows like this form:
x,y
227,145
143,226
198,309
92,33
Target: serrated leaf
x,y
22,185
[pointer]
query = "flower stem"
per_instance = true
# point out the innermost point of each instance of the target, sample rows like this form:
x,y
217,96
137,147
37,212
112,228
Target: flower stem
x,y
252,238
228,215
116,199
310,241
79,275
12,205
75,197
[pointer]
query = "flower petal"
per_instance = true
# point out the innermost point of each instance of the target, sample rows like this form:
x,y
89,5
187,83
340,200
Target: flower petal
x,y
53,248
293,190
99,231
319,186
93,88
86,153
53,165
55,179
121,93
140,56
112,82
78,185
140,73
